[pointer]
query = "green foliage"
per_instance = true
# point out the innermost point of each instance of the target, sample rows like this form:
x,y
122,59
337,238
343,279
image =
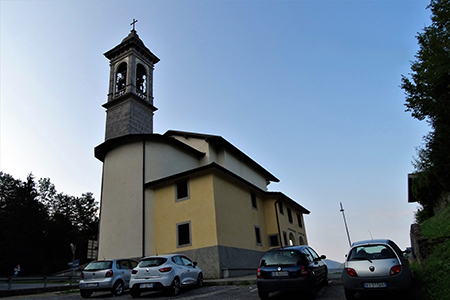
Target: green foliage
x,y
436,273
427,90
437,226
37,225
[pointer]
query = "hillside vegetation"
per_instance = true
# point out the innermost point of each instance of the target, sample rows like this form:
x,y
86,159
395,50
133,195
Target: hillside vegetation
x,y
435,271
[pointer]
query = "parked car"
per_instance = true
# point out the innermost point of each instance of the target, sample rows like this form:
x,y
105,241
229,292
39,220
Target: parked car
x,y
165,272
295,269
103,275
375,265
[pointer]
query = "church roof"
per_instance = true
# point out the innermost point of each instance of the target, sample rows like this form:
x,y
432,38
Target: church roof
x,y
216,167
132,41
101,150
220,141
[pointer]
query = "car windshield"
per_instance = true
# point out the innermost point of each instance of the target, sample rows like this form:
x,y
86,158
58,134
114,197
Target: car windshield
x,y
152,262
282,257
99,265
370,252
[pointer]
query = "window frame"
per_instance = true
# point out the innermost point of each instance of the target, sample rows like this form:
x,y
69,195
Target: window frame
x,y
188,192
188,223
254,200
289,215
258,235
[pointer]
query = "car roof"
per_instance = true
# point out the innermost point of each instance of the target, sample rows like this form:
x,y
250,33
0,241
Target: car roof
x,y
163,256
372,242
289,248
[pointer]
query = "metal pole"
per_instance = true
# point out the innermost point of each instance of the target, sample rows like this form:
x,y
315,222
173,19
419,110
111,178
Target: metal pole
x,y
345,222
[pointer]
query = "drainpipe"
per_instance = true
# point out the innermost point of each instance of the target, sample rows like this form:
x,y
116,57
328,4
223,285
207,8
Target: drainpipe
x,y
278,222
143,197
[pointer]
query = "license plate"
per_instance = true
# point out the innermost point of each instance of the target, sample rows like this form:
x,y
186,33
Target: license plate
x,y
280,274
91,284
375,285
146,285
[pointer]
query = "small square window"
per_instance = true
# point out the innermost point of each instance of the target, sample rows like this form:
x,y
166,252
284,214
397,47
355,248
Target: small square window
x,y
258,236
289,213
182,190
184,234
254,202
274,241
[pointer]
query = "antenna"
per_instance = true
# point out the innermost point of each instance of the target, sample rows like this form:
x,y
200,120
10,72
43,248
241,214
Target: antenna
x,y
346,228
104,258
371,235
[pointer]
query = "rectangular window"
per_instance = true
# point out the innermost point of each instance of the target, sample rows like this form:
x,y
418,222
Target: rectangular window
x,y
280,207
274,241
285,238
182,190
184,234
299,220
289,215
258,236
254,203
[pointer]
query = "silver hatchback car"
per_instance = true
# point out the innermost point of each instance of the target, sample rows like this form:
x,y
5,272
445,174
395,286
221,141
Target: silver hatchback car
x,y
375,265
165,272
106,275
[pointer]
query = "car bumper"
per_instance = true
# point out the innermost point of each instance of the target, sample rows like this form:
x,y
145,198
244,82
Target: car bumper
x,y
157,284
391,283
95,285
287,284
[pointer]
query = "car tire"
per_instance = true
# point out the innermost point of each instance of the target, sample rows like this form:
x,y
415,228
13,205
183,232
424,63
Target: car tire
x,y
325,280
349,295
117,288
175,287
85,294
200,280
263,295
135,293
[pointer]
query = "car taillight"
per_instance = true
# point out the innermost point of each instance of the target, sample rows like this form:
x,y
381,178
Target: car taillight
x,y
351,272
163,270
303,271
82,276
134,271
109,274
395,270
258,273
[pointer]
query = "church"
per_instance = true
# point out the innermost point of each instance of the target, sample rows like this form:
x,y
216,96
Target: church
x,y
182,192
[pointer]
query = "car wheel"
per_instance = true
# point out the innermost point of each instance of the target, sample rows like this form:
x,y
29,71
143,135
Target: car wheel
x,y
200,280
325,280
263,295
135,293
85,294
175,287
349,295
117,288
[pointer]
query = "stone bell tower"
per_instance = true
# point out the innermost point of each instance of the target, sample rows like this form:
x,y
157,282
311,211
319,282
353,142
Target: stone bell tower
x,y
130,109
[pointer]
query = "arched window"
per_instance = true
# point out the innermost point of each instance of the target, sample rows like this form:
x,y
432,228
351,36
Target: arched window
x,y
141,79
291,239
302,241
121,78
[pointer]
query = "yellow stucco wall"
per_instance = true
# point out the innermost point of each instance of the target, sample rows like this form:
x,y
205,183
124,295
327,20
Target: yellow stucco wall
x,y
121,203
198,210
236,219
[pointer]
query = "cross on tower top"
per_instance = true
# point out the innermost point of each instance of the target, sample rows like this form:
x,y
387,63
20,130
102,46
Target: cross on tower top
x,y
134,22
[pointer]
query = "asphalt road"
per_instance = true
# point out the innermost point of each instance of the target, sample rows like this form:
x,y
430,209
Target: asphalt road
x,y
334,291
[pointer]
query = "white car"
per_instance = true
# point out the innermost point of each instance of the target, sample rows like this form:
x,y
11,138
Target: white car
x,y
165,272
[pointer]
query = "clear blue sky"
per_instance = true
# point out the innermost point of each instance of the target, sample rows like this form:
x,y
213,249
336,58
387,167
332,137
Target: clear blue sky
x,y
308,89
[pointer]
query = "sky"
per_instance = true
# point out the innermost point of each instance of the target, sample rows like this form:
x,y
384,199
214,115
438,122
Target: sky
x,y
308,89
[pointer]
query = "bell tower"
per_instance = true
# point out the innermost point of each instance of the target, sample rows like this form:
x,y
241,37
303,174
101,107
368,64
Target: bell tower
x,y
130,109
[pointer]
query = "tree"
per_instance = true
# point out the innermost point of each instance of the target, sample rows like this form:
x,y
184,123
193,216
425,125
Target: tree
x,y
37,226
427,90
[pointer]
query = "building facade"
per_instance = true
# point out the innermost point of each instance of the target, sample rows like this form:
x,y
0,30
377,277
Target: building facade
x,y
182,192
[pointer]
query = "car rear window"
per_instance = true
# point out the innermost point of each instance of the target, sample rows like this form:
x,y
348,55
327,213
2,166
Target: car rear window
x,y
99,265
371,252
152,262
282,257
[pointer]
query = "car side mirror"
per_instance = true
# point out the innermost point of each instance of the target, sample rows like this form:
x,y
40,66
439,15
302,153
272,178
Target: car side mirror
x,y
195,263
323,257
